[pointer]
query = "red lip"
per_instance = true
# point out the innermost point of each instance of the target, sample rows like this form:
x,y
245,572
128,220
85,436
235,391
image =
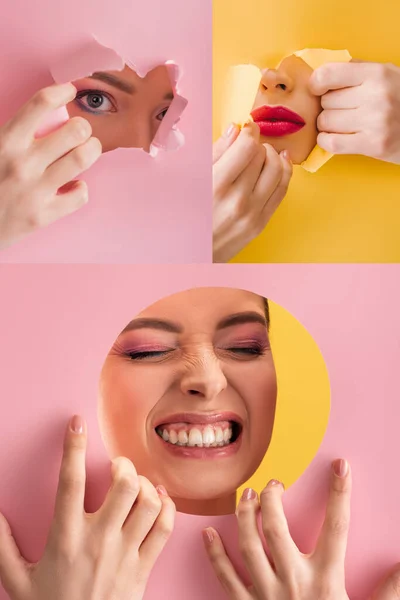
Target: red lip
x,y
277,121
199,418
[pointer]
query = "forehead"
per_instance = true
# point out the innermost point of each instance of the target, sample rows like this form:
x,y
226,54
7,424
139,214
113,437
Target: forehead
x,y
204,307
156,78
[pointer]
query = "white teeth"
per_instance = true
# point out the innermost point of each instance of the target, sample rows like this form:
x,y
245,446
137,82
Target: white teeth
x,y
195,438
173,436
183,437
208,436
219,436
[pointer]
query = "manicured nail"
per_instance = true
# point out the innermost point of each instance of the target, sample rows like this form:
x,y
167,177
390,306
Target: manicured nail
x,y
161,490
274,482
249,494
286,156
229,130
208,536
76,424
340,467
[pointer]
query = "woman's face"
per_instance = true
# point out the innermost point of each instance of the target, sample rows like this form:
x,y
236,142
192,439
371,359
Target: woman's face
x,y
286,111
188,392
123,109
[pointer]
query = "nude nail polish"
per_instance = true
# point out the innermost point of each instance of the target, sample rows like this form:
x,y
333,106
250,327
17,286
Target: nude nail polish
x,y
161,490
230,129
249,494
208,536
340,467
76,424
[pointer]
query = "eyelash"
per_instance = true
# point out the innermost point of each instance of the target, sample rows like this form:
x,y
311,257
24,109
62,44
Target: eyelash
x,y
93,111
248,350
163,113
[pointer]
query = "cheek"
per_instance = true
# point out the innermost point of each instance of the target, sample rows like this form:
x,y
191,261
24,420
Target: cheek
x,y
261,396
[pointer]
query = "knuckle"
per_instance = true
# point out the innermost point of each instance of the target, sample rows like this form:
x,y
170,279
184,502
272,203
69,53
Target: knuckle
x,y
165,527
249,146
36,219
273,530
80,128
44,97
126,483
82,157
152,505
249,550
17,170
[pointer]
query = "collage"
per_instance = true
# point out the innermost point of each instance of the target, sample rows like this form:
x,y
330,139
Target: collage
x,y
200,300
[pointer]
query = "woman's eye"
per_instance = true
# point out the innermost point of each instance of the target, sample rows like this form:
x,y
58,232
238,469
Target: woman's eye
x,y
162,114
250,350
95,102
147,354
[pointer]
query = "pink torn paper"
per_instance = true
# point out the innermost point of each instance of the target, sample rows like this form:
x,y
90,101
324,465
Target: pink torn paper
x,y
93,56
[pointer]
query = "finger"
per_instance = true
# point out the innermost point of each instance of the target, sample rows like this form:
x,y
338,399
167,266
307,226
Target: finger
x,y
247,180
13,567
335,76
72,164
226,140
339,121
143,514
69,506
70,198
160,532
281,189
250,543
340,99
75,132
269,178
223,567
389,588
121,496
27,120
331,547
284,551
342,143
237,156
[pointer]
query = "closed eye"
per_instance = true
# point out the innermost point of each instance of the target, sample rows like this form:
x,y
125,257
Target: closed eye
x,y
147,354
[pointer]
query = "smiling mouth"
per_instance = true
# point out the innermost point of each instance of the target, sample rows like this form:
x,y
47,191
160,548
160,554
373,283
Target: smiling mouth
x,y
197,435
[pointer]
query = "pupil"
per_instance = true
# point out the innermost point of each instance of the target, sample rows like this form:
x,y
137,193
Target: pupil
x,y
95,100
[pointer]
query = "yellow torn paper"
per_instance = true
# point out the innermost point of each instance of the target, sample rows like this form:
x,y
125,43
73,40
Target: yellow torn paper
x,y
315,58
241,89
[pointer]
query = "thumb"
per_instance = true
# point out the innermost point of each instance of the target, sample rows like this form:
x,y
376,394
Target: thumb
x,y
226,140
13,568
389,588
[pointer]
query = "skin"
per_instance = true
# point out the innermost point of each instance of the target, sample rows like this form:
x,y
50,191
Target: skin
x,y
123,118
294,576
37,184
361,109
250,180
106,554
204,369
288,86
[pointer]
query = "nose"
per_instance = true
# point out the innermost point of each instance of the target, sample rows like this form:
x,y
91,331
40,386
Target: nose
x,y
274,81
203,377
140,134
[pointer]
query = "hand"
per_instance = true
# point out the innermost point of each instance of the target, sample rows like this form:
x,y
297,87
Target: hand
x,y
295,576
361,109
36,186
249,182
389,589
108,554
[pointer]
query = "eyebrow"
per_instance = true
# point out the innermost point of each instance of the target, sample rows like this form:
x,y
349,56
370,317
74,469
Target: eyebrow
x,y
121,84
170,326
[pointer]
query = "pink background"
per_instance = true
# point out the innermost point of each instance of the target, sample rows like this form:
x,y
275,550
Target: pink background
x,y
57,324
140,209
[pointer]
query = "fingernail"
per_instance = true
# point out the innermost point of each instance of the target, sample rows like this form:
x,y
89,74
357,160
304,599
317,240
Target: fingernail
x,y
340,467
229,130
286,156
208,536
76,424
249,494
274,482
161,490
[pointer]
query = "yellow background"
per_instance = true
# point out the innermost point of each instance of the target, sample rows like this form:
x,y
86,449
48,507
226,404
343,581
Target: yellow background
x,y
349,211
303,402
